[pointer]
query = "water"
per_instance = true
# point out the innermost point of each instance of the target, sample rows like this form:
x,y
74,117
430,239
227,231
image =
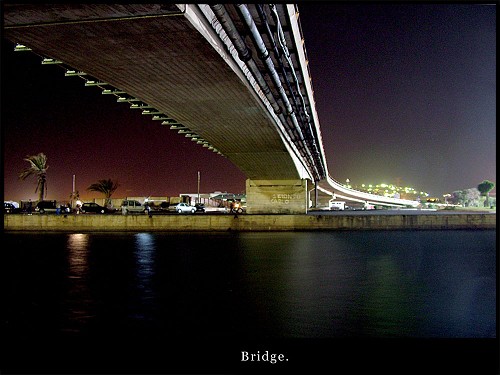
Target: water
x,y
193,288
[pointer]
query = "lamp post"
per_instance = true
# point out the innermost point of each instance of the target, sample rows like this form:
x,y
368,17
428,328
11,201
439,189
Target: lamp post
x,y
72,192
198,186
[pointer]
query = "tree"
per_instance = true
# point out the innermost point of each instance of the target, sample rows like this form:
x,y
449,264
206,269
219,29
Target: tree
x,y
472,197
107,187
74,196
465,197
484,188
460,197
38,167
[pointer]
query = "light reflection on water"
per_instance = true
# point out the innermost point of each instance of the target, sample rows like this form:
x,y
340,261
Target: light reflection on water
x,y
302,284
77,254
144,252
78,293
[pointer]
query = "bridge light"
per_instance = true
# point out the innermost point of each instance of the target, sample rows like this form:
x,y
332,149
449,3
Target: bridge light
x,y
175,126
151,112
92,82
139,106
171,123
122,99
160,118
47,61
112,92
21,47
74,73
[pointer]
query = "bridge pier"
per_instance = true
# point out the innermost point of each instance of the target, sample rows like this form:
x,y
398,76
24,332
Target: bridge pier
x,y
277,196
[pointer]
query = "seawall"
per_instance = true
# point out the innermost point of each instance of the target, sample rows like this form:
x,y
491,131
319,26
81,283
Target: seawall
x,y
119,223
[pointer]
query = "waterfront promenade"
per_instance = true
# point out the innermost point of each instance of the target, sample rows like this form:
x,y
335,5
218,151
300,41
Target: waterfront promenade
x,y
316,221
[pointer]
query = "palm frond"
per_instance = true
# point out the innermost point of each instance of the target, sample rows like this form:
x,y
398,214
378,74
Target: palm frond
x,y
38,167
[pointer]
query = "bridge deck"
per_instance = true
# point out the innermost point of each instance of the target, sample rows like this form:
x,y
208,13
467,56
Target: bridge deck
x,y
155,54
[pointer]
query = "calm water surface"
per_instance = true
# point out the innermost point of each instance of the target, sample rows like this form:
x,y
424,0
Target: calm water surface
x,y
227,286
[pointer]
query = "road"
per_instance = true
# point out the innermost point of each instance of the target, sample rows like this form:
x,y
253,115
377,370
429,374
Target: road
x,y
400,212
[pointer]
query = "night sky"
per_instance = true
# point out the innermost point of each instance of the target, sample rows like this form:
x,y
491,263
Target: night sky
x,y
403,92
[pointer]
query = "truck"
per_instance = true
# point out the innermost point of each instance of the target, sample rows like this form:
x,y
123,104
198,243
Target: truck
x,y
336,205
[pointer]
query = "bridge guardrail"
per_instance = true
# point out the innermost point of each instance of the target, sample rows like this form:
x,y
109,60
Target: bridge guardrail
x,y
367,196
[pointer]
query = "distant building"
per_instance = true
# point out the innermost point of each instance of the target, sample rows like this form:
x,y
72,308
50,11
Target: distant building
x,y
215,199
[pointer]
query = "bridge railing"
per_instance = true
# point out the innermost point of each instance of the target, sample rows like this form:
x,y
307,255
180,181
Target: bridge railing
x,y
368,196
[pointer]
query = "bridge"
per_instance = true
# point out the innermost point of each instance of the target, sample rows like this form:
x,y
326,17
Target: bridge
x,y
234,78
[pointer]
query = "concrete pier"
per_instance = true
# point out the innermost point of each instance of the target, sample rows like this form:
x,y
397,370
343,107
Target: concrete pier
x,y
276,196
246,222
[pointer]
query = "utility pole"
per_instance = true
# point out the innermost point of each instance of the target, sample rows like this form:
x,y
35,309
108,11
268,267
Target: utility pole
x,y
73,192
199,187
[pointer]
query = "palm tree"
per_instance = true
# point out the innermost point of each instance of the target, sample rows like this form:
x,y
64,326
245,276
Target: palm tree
x,y
38,167
74,196
484,188
107,187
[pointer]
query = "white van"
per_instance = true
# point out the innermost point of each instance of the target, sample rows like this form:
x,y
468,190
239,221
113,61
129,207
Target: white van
x,y
336,205
132,206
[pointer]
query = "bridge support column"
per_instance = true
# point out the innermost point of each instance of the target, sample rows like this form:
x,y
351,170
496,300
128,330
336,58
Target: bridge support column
x,y
316,194
277,196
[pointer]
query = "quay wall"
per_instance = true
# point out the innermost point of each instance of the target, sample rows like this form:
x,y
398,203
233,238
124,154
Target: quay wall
x,y
245,222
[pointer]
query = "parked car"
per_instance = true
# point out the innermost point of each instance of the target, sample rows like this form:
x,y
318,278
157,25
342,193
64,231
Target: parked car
x,y
46,207
10,208
368,206
157,205
96,208
200,207
185,208
133,206
64,209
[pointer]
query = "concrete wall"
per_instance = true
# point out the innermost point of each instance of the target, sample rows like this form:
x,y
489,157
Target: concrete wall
x,y
226,222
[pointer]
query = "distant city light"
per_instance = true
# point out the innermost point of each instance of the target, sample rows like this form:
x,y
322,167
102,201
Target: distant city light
x,y
392,191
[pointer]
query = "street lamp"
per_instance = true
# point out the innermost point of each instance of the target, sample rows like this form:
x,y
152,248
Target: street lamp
x,y
198,187
73,193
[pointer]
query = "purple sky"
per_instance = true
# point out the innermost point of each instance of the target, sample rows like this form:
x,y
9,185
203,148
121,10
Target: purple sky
x,y
401,91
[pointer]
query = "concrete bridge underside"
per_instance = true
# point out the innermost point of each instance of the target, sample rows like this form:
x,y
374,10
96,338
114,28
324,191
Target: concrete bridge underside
x,y
154,53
